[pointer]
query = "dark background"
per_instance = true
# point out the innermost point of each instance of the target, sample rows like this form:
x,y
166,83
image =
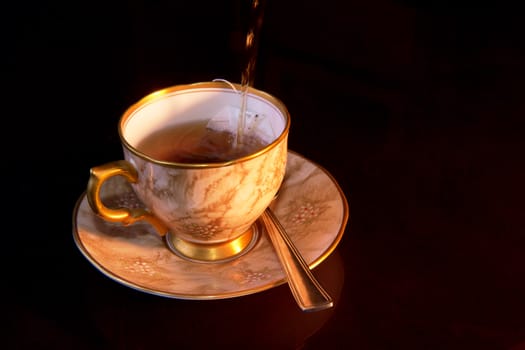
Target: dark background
x,y
415,109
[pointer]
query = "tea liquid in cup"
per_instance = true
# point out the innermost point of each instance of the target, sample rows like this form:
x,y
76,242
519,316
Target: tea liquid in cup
x,y
203,186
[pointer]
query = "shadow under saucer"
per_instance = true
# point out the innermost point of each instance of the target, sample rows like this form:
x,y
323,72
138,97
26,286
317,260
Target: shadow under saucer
x,y
270,319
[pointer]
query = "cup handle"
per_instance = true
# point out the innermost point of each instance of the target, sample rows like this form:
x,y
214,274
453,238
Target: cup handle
x,y
126,216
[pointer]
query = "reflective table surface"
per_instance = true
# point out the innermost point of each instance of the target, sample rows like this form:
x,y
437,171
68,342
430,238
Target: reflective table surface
x,y
418,113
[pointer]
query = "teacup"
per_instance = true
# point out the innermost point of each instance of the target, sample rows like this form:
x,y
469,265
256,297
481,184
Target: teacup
x,y
204,171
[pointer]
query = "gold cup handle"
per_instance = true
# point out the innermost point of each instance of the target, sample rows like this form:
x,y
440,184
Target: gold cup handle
x,y
126,216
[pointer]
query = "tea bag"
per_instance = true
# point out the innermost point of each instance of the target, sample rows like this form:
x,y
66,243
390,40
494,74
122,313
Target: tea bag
x,y
256,125
224,137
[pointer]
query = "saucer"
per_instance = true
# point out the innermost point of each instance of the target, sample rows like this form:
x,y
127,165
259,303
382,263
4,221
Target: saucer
x,y
311,206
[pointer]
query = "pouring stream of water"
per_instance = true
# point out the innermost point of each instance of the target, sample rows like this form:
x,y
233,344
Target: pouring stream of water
x,y
251,45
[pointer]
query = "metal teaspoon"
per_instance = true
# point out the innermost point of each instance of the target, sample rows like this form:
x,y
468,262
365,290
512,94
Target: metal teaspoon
x,y
307,291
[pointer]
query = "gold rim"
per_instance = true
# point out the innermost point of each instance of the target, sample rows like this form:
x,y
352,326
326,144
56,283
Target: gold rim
x,y
203,86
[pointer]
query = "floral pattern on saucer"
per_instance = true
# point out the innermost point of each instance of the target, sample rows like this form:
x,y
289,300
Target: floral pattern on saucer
x,y
311,207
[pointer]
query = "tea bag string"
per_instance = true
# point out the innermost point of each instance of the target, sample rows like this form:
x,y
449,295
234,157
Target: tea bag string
x,y
227,82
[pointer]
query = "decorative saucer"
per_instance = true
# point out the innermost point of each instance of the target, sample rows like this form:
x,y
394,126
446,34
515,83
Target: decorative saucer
x,y
311,206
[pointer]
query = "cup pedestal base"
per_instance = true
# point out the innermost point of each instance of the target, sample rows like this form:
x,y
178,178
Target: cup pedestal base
x,y
214,253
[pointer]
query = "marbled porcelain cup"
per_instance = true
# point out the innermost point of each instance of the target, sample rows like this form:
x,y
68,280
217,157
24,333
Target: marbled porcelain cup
x,y
205,212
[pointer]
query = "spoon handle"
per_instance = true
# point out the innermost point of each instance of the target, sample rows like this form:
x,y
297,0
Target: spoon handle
x,y
308,293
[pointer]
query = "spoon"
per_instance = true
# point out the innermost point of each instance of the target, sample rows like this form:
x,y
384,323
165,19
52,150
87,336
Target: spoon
x,y
307,291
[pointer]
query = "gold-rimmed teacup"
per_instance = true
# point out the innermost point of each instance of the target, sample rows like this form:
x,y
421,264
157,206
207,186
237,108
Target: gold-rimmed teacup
x,y
202,197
